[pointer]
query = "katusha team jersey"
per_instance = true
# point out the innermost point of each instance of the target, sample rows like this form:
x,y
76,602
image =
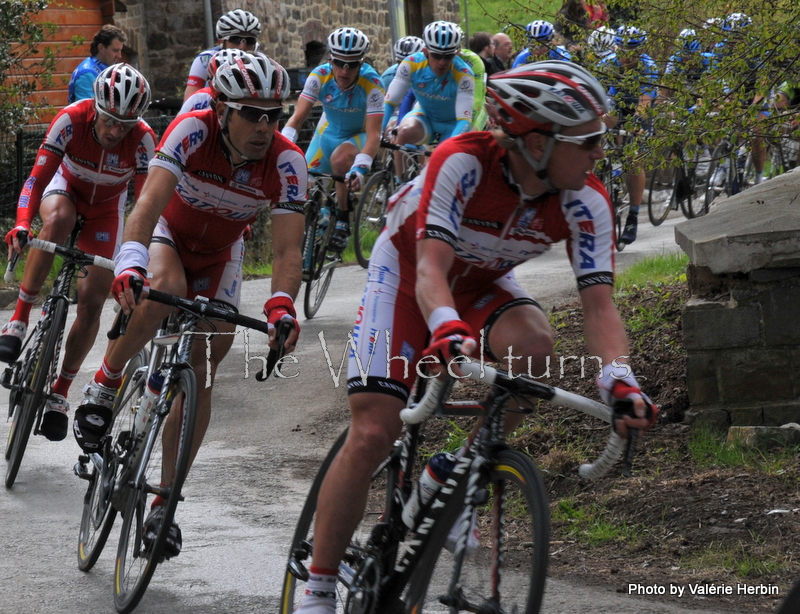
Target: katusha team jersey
x,y
214,200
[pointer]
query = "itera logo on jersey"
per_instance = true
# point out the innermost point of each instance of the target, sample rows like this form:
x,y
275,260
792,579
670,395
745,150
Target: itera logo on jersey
x,y
190,140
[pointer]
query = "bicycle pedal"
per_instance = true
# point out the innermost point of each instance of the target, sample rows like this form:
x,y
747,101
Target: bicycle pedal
x,y
81,470
7,378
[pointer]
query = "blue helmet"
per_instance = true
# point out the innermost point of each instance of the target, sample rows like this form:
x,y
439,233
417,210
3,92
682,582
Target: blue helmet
x,y
687,40
630,37
540,31
442,37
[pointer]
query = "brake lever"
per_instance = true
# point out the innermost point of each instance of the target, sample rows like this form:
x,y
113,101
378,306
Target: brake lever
x,y
120,325
282,331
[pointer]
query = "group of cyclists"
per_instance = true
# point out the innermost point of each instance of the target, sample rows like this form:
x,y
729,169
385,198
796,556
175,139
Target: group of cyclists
x,y
441,273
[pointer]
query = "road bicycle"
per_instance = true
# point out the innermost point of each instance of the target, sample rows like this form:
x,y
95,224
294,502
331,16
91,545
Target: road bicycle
x,y
726,174
30,378
370,214
319,260
678,182
129,471
781,154
611,173
389,567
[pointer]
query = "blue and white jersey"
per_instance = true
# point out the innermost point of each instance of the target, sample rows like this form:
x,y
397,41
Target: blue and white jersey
x,y
690,65
557,53
625,95
442,99
346,112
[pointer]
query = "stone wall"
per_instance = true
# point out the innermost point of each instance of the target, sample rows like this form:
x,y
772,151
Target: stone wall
x,y
742,324
168,35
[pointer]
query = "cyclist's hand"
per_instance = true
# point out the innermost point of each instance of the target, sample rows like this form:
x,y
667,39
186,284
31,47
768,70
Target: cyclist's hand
x,y
247,234
122,290
618,388
281,307
355,176
12,238
451,339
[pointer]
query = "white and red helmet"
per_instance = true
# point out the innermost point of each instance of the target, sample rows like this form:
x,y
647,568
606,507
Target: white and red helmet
x,y
251,75
122,91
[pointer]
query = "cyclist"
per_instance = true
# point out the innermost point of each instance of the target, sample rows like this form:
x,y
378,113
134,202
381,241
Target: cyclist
x,y
214,171
403,48
204,97
479,115
486,202
632,88
92,150
601,42
348,135
236,29
787,96
443,85
540,35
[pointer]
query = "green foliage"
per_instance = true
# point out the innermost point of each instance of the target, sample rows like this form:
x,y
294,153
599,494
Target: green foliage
x,y
22,38
496,15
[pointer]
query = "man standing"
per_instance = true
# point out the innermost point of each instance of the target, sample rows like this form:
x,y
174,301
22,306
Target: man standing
x,y
106,49
503,50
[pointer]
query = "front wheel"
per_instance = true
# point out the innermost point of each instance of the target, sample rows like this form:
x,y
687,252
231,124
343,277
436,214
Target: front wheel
x,y
98,511
136,561
506,573
34,397
370,214
322,264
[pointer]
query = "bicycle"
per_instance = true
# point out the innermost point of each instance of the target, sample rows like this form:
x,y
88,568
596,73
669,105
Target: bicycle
x,y
684,177
389,567
31,377
319,260
611,173
726,173
129,470
370,214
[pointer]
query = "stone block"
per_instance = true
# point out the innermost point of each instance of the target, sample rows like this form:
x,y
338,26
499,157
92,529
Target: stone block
x,y
701,379
755,375
716,324
746,416
714,419
780,414
764,437
781,312
702,282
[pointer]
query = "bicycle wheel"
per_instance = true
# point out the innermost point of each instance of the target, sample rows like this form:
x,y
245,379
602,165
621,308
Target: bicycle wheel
x,y
302,547
33,398
99,512
135,563
508,569
661,196
719,178
370,214
20,382
323,263
622,206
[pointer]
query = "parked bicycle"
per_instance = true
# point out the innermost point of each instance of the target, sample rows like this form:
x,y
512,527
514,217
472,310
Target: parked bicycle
x,y
129,472
30,379
392,567
319,260
370,215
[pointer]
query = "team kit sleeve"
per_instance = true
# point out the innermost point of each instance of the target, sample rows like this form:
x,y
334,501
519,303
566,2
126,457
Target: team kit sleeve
x,y
183,137
293,182
198,72
465,99
313,84
48,159
397,89
590,246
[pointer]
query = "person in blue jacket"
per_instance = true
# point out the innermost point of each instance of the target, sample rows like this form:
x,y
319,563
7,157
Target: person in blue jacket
x,y
106,49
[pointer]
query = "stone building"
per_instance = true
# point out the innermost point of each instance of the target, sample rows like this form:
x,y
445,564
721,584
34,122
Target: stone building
x,y
164,37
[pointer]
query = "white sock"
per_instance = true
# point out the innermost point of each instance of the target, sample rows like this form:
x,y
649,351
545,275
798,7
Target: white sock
x,y
320,597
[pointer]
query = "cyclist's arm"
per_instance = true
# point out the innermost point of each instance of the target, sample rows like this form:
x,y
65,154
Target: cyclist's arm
x,y
198,73
287,259
464,103
144,153
301,110
397,90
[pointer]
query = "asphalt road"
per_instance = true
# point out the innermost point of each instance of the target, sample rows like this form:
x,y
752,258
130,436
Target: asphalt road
x,y
248,483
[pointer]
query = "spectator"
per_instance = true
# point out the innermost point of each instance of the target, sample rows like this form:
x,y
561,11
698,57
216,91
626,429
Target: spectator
x,y
503,50
482,43
106,49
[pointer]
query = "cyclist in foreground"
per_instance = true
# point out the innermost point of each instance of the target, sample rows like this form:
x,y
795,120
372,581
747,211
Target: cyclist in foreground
x,y
348,135
213,173
441,276
92,150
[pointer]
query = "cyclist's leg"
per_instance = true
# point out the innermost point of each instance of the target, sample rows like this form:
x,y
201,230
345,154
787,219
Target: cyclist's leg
x,y
635,180
341,161
415,129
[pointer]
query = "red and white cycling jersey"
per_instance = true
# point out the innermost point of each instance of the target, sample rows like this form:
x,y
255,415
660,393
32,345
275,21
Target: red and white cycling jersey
x,y
215,200
96,175
490,224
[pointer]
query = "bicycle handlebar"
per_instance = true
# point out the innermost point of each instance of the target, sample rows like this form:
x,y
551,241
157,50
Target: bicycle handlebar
x,y
407,148
438,389
54,248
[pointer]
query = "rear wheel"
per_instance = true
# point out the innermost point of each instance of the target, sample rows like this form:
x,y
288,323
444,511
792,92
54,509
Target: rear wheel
x,y
34,397
370,214
98,510
136,562
661,197
506,573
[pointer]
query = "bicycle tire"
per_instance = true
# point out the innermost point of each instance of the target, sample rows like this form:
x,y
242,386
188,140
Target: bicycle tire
x,y
20,381
135,567
99,512
370,215
323,263
34,399
622,206
661,180
513,477
692,205
791,603
721,153
301,550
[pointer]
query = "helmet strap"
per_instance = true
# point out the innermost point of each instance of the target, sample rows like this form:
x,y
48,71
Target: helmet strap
x,y
227,142
539,166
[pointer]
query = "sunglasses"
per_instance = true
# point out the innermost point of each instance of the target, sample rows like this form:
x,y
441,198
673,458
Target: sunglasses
x,y
441,56
585,141
256,114
112,120
346,64
238,40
